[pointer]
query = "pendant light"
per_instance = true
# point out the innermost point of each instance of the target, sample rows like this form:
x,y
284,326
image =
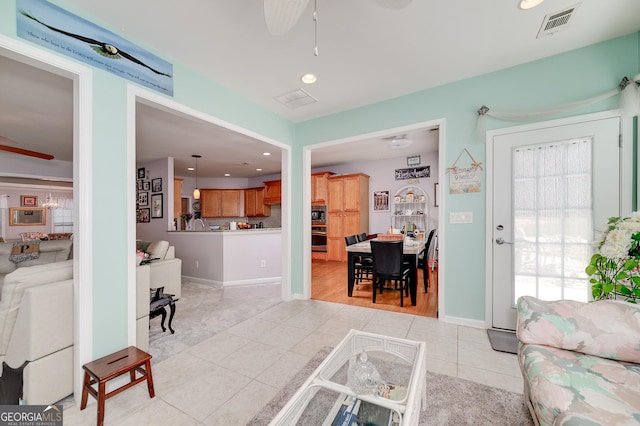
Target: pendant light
x,y
196,191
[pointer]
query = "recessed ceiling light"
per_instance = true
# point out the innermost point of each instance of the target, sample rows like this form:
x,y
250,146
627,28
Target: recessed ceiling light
x,y
266,153
191,169
309,78
258,170
227,174
529,4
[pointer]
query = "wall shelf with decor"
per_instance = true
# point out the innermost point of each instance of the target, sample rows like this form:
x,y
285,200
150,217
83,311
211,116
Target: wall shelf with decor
x,y
410,210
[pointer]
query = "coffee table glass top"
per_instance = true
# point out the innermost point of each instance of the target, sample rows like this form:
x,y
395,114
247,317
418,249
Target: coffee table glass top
x,y
326,398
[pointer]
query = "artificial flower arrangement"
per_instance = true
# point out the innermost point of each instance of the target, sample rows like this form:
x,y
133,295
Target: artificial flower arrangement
x,y
614,270
187,216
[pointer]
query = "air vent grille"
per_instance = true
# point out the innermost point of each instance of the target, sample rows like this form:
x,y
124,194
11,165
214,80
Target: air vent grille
x,y
295,99
557,21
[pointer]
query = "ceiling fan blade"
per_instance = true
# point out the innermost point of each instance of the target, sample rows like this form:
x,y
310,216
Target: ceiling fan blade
x,y
26,152
282,15
393,4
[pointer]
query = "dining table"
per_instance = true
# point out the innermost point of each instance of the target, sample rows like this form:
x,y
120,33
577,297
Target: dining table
x,y
411,248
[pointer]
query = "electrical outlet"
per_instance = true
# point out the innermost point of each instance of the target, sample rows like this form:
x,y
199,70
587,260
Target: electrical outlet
x,y
197,264
263,263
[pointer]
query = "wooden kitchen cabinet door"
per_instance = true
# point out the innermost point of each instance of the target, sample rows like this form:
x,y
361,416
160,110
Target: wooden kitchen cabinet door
x,y
232,203
211,202
335,187
273,192
319,188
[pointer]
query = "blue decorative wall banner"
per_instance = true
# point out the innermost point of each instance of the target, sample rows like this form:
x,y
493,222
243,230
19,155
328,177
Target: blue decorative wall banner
x,y
54,28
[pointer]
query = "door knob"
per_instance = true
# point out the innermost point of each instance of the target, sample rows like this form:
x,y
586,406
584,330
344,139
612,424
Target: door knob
x,y
501,241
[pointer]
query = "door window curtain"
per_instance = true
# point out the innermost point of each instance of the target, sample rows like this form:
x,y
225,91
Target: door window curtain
x,y
553,219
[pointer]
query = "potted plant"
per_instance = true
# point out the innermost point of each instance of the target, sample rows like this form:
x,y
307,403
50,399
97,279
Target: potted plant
x,y
614,270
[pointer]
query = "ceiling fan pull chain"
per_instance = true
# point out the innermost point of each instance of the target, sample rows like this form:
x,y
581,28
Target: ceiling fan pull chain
x,y
315,23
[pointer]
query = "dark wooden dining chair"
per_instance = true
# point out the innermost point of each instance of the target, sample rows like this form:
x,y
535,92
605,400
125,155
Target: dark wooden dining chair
x,y
361,237
363,265
425,261
388,266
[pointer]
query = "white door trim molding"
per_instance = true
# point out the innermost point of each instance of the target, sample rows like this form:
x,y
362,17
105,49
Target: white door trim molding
x,y
626,177
306,182
82,77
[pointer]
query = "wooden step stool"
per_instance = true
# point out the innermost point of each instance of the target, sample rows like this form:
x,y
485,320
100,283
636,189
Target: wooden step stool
x,y
102,370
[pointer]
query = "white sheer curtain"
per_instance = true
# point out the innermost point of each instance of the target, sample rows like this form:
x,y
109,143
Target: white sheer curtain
x,y
553,219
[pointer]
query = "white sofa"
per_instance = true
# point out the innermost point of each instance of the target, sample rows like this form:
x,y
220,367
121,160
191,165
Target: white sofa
x,y
165,272
36,320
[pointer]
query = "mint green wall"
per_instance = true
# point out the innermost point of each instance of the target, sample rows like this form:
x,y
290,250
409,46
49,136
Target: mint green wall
x,y
109,174
563,78
551,81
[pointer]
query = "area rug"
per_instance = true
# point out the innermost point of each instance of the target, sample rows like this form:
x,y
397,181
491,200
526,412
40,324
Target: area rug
x,y
503,341
450,401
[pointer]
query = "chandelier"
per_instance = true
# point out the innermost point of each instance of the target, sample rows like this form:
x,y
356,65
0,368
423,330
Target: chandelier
x,y
49,202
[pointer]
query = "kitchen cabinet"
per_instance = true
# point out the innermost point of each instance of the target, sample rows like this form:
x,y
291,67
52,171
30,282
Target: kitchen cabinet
x,y
254,203
177,197
222,202
319,188
348,211
273,192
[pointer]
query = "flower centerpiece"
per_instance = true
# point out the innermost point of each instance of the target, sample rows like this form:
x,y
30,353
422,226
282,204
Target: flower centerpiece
x,y
187,219
614,270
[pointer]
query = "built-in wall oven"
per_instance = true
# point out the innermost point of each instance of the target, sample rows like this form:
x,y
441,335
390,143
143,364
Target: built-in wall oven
x,y
319,228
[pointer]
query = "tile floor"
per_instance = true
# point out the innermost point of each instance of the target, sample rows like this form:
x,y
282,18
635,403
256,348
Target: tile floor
x,y
227,378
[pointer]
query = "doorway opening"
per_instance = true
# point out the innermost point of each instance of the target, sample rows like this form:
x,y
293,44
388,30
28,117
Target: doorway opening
x,y
374,156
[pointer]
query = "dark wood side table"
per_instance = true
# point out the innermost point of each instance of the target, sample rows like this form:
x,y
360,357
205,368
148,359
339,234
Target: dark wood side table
x,y
109,367
159,301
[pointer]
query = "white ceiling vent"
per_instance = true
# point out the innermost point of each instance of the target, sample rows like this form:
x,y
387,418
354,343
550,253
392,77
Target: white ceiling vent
x,y
557,21
296,99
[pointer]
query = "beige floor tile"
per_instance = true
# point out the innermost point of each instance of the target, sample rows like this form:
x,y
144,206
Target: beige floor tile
x,y
175,371
433,325
469,354
391,319
341,324
252,328
385,330
281,371
252,359
310,319
150,414
283,336
281,312
357,312
438,346
316,341
441,366
218,347
491,378
242,406
477,336
203,395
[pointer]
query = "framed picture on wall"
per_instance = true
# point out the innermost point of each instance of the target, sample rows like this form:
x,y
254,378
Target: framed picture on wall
x,y
156,185
156,206
143,215
381,201
143,198
146,185
28,201
141,173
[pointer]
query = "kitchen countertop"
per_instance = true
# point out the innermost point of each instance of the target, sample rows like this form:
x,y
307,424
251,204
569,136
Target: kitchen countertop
x,y
228,231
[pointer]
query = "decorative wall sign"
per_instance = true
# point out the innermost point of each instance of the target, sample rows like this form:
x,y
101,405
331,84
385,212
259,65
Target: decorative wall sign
x,y
143,198
50,26
381,201
146,185
414,160
467,178
413,173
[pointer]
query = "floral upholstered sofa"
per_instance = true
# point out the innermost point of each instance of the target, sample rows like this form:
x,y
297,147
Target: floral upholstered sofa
x,y
580,361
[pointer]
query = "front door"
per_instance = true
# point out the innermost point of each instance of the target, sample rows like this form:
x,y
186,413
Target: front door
x,y
552,189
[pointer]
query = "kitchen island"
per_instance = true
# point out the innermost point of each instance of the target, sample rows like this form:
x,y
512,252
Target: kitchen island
x,y
228,258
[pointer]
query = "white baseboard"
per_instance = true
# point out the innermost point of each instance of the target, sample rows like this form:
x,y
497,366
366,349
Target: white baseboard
x,y
463,321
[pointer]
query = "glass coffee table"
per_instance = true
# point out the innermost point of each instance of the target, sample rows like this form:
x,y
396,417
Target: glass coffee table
x,y
326,398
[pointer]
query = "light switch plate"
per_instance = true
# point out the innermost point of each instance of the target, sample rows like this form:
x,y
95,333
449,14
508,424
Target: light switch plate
x,y
461,217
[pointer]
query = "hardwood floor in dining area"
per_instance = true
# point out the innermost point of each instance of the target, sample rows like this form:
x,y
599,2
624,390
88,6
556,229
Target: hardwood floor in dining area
x,y
329,283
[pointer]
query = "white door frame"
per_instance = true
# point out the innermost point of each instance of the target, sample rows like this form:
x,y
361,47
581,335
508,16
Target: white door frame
x,y
306,210
626,177
82,77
